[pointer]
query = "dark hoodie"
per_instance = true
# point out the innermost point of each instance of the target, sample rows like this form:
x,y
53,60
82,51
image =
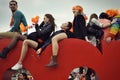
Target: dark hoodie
x,y
79,27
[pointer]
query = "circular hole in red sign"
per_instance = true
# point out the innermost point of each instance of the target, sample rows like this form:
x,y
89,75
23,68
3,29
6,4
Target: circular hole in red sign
x,y
17,75
83,73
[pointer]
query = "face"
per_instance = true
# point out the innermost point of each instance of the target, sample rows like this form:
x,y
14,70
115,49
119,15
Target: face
x,y
75,12
46,19
13,6
20,76
64,26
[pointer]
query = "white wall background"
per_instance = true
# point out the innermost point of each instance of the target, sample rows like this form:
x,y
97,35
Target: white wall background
x,y
60,9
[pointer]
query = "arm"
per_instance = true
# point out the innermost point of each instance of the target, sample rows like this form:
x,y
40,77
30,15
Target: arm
x,y
46,43
45,30
16,24
95,21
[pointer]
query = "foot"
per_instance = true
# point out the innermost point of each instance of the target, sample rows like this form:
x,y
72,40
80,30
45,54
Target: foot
x,y
98,45
17,66
52,64
4,52
2,56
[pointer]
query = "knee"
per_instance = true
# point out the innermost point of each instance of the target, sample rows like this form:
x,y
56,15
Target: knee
x,y
25,42
16,34
54,39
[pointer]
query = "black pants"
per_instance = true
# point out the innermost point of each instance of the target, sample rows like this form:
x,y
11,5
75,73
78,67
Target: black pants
x,y
97,32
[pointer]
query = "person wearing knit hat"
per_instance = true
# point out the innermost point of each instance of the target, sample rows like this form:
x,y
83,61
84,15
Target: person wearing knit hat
x,y
114,29
79,9
79,23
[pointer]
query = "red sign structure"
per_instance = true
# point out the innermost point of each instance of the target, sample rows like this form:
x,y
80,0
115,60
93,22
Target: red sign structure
x,y
72,53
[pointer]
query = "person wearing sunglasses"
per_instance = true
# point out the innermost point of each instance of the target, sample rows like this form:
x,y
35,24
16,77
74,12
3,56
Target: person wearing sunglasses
x,y
17,19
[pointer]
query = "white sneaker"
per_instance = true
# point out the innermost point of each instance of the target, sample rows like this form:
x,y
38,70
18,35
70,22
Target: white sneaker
x,y
17,66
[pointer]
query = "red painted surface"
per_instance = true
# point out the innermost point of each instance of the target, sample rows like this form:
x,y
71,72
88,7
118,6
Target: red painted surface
x,y
73,53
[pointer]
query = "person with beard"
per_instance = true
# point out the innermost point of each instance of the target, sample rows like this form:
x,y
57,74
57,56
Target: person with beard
x,y
17,19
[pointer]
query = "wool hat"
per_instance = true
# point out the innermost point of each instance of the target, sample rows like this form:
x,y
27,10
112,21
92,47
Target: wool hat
x,y
77,7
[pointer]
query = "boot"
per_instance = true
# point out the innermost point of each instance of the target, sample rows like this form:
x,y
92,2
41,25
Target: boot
x,y
53,62
98,45
4,52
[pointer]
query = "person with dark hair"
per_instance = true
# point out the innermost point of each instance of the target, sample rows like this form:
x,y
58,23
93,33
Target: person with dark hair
x,y
100,22
55,38
25,76
47,42
20,77
18,18
104,23
42,32
103,15
94,31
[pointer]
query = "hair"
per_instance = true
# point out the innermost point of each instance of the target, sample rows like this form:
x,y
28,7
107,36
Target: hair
x,y
51,20
112,12
69,25
81,70
13,1
25,76
103,15
77,7
94,15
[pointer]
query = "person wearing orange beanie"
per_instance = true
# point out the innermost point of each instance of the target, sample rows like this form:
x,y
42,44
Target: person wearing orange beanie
x,y
79,23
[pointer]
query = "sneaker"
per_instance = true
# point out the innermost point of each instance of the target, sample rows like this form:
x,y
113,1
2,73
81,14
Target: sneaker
x,y
17,66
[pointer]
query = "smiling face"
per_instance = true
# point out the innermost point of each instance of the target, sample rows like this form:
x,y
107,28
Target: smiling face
x,y
20,76
13,6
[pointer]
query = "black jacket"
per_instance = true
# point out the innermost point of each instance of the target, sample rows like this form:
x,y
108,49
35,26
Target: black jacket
x,y
45,31
42,32
79,27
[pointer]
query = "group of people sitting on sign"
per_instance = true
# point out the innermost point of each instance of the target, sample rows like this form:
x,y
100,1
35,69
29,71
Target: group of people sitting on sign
x,y
45,33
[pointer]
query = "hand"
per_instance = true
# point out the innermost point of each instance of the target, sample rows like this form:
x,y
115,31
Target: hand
x,y
114,20
86,38
88,41
108,39
39,51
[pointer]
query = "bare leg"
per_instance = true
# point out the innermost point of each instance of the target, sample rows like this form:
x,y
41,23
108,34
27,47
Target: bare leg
x,y
55,41
12,44
55,49
27,43
25,46
14,40
6,34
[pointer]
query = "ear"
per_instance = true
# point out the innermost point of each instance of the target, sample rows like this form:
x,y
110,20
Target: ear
x,y
17,6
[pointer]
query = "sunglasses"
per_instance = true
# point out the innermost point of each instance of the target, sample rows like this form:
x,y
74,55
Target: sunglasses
x,y
12,4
